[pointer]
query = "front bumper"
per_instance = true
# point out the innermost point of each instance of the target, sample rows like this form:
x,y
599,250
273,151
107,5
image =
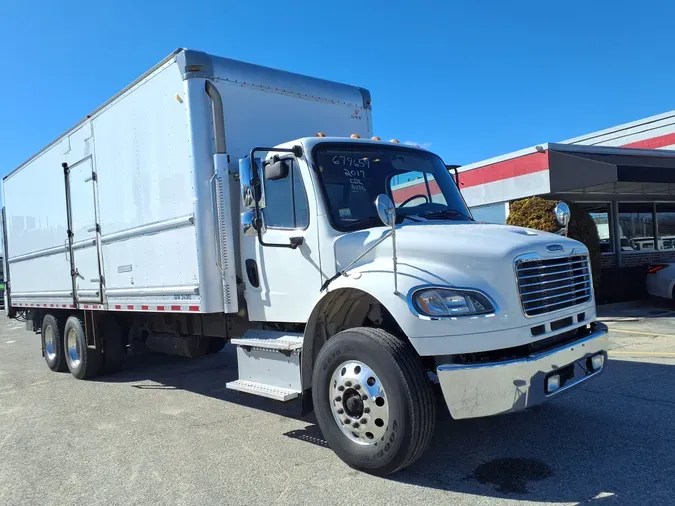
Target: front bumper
x,y
487,389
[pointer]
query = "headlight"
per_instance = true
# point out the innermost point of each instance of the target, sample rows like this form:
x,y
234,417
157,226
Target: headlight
x,y
444,302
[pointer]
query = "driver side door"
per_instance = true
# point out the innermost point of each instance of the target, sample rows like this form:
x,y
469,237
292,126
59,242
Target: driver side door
x,y
282,284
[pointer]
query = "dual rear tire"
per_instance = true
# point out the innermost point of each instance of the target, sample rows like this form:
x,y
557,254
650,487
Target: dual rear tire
x,y
52,343
83,362
64,347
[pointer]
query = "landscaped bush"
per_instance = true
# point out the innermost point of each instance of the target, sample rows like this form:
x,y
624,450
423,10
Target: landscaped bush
x,y
537,213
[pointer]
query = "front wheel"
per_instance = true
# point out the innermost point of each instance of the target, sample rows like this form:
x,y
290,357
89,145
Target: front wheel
x,y
373,400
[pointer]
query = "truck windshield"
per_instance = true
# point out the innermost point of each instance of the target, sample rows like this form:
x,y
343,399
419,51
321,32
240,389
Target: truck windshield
x,y
354,174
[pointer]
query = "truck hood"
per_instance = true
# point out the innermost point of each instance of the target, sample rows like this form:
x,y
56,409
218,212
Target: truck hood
x,y
461,254
466,243
464,255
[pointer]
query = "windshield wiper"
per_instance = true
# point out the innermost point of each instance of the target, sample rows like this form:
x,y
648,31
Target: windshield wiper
x,y
373,221
445,213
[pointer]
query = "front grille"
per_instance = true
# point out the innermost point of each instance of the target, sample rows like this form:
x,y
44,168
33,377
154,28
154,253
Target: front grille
x,y
547,285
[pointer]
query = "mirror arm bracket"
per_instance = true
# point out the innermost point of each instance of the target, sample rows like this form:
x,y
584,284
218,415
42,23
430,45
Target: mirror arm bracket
x,y
256,181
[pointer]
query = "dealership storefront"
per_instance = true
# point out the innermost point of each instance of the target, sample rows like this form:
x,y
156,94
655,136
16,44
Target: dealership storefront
x,y
624,176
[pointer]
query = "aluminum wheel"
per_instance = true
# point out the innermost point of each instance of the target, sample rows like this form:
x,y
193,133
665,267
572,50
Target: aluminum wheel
x,y
359,403
50,347
73,348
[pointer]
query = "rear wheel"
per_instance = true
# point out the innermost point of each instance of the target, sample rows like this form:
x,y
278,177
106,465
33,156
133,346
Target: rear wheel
x,y
52,343
373,400
83,362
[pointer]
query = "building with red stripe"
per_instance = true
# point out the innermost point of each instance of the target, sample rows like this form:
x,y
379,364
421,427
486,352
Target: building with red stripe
x,y
624,176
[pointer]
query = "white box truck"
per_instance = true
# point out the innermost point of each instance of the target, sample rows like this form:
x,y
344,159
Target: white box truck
x,y
182,214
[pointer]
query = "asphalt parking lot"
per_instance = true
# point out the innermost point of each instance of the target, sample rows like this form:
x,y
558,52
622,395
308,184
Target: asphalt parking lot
x,y
166,431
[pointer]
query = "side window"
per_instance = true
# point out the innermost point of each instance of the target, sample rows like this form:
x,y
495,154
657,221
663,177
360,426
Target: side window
x,y
286,201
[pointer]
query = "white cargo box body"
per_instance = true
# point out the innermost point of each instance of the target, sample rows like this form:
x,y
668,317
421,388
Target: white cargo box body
x,y
141,181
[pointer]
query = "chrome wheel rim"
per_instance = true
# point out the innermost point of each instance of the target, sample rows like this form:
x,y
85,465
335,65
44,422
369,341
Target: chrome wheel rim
x,y
73,348
50,346
359,403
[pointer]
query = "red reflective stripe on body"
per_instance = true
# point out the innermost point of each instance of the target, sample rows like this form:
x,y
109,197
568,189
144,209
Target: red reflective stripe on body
x,y
193,308
145,308
130,306
160,308
175,308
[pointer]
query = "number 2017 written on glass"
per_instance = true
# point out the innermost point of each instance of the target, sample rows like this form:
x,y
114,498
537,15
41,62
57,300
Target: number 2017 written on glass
x,y
348,162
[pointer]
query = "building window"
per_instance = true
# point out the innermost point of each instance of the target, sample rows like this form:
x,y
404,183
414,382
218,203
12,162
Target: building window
x,y
413,183
286,201
665,219
493,213
600,214
636,224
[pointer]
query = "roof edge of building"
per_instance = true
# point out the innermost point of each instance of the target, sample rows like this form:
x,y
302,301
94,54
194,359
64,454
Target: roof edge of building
x,y
619,128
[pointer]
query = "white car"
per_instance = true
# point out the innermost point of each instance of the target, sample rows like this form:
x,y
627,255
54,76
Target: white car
x,y
661,280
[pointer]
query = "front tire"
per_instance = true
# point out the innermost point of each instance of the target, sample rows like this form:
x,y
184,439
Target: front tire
x,y
52,343
373,400
83,362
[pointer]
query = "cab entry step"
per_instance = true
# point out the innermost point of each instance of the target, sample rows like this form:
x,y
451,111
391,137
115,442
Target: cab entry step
x,y
251,387
269,339
269,364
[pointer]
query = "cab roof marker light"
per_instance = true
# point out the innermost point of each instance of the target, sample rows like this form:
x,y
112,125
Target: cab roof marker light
x,y
355,136
395,141
375,138
320,134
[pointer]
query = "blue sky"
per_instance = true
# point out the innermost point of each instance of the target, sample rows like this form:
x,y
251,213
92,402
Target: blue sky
x,y
468,79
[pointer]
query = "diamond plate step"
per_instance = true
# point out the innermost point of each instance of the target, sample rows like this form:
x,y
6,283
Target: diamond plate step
x,y
270,340
271,392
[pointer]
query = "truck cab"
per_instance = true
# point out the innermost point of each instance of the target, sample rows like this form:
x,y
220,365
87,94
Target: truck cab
x,y
341,241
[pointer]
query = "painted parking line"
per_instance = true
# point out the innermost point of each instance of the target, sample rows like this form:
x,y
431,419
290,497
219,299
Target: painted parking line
x,y
644,353
640,333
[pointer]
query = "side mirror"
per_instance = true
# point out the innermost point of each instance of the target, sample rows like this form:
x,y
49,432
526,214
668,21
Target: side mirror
x,y
277,169
248,224
385,209
252,189
562,214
